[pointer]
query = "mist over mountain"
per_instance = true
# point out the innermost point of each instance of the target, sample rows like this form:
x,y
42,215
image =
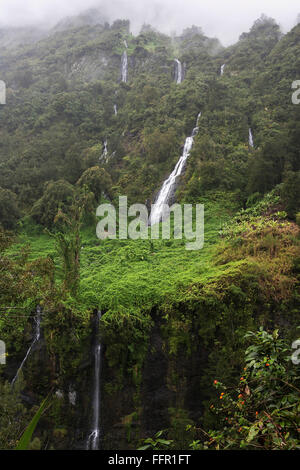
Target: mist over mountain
x,y
225,20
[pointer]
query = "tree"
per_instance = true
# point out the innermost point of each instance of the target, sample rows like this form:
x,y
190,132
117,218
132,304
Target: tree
x,y
9,211
91,156
267,168
290,193
25,78
264,26
68,240
57,195
205,148
97,180
192,31
160,146
6,240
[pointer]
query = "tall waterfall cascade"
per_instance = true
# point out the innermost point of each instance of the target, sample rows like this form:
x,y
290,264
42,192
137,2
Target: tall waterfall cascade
x,y
251,141
167,190
93,439
115,109
179,72
36,337
124,67
222,69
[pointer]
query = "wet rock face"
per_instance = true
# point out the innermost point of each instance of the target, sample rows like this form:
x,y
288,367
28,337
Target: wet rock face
x,y
161,392
152,64
89,67
100,65
156,395
65,425
128,412
126,420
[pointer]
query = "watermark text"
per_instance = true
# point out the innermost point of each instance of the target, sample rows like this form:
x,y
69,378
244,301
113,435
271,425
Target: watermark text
x,y
296,355
135,223
296,94
2,92
2,353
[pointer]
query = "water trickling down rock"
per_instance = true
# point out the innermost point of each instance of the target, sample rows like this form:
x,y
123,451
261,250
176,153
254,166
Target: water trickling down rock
x,y
93,440
251,141
178,72
124,67
37,334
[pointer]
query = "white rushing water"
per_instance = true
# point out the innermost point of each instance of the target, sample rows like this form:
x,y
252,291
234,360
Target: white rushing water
x,y
94,438
222,69
72,395
168,187
124,67
178,75
125,44
251,141
115,109
37,334
104,155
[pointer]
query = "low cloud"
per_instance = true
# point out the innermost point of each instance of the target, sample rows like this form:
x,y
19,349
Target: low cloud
x,y
223,19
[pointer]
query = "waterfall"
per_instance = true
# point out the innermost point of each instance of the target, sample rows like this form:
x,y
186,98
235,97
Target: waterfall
x,y
222,69
196,129
115,109
104,155
94,437
167,190
125,44
124,67
37,334
251,141
178,74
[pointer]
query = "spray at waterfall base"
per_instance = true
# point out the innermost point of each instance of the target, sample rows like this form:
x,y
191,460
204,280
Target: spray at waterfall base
x,y
181,222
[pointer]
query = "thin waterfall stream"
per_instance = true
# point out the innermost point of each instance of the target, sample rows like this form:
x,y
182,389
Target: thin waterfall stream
x,y
37,335
251,141
167,190
93,439
124,67
104,155
178,74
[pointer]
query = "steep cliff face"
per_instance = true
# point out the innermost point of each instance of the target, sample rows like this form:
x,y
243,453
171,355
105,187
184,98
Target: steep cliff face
x,y
92,67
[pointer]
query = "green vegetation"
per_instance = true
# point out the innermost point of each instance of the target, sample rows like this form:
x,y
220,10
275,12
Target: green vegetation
x,y
26,438
262,411
187,311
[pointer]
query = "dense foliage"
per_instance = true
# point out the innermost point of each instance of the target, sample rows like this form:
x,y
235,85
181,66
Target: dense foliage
x,y
262,412
72,135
